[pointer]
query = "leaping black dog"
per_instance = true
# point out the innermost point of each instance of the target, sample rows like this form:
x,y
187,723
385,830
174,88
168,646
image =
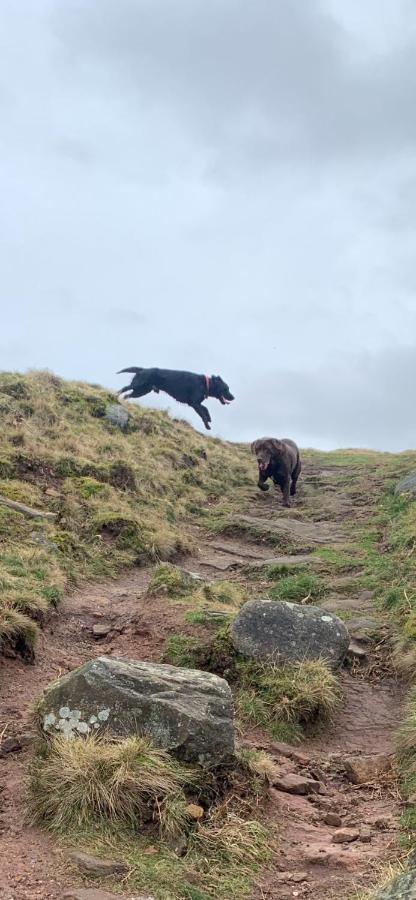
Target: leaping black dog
x,y
185,387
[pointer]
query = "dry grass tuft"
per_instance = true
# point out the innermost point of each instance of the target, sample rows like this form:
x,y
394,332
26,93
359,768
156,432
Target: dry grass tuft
x,y
83,782
301,694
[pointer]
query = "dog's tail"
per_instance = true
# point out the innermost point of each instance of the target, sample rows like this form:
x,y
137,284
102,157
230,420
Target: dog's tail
x,y
133,369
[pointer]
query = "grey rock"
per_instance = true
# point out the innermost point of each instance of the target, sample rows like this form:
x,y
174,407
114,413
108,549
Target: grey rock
x,y
118,415
363,630
357,650
281,632
345,835
401,888
407,485
333,820
296,784
93,865
368,769
185,711
101,630
15,743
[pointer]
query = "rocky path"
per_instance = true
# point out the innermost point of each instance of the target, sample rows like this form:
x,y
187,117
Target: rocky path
x,y
330,843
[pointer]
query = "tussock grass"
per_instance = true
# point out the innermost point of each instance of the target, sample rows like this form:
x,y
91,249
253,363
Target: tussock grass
x,y
231,840
131,797
259,764
284,699
172,581
120,496
87,781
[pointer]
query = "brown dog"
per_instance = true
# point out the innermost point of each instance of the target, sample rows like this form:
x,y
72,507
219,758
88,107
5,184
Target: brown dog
x,y
280,461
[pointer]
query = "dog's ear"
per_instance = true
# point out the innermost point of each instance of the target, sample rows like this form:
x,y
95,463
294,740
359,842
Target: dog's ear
x,y
255,446
274,446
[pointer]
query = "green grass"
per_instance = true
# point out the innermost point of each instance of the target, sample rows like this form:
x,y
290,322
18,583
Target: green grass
x,y
172,581
298,587
213,654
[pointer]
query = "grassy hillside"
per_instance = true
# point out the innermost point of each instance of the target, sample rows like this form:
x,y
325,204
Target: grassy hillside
x,y
120,497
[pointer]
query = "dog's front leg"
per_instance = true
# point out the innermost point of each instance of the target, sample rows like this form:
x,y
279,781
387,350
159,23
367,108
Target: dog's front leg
x,y
262,482
203,413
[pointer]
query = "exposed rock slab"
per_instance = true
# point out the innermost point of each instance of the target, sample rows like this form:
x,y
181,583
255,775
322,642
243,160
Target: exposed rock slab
x,y
307,533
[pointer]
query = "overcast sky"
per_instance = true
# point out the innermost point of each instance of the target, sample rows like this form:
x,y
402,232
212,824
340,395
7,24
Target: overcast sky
x,y
224,186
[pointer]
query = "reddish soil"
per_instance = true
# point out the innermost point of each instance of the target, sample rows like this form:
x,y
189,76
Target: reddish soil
x,y
308,863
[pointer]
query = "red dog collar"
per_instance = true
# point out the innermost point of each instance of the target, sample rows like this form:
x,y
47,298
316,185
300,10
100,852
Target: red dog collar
x,y
207,382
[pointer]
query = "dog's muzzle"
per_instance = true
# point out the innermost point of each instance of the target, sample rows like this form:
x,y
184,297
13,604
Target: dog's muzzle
x,y
226,400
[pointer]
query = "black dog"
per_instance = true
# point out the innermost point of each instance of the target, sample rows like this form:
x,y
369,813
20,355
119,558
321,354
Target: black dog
x,y
186,387
280,461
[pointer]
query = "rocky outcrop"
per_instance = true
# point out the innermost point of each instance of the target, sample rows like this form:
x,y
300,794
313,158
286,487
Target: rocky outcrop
x,y
185,711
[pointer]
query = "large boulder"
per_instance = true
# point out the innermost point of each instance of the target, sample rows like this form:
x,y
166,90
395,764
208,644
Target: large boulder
x,y
407,485
282,632
401,888
184,711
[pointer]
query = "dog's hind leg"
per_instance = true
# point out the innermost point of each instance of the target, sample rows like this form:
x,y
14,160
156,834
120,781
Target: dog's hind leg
x,y
125,389
295,476
203,413
284,484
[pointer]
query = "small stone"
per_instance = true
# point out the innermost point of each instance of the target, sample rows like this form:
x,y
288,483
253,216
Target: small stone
x,y
15,743
100,630
363,629
194,811
384,823
178,844
366,770
299,877
345,835
92,865
357,650
325,803
365,836
318,856
118,415
292,877
296,784
333,819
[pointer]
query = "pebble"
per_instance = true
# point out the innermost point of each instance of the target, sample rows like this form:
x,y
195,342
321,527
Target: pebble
x,y
345,835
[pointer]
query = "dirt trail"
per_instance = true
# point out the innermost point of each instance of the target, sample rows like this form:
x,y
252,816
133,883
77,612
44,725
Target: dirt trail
x,y
32,866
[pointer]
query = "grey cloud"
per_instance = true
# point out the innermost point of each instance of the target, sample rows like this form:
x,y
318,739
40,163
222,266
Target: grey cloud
x,y
360,400
260,82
